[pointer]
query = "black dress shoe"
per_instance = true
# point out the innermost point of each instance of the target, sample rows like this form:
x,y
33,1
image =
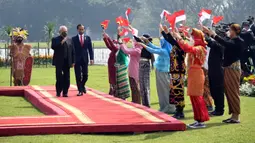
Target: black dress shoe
x,y
65,95
80,94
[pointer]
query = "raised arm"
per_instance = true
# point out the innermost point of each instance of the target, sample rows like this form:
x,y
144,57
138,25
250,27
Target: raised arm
x,y
109,44
128,51
55,43
90,49
170,39
223,42
187,48
154,49
153,46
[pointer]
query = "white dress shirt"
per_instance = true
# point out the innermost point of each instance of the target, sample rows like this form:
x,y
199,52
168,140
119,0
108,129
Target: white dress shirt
x,y
206,60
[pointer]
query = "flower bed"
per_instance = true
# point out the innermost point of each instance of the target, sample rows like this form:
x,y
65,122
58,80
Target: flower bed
x,y
248,86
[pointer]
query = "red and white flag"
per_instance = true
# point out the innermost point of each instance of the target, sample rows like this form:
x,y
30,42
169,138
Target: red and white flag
x,y
180,16
164,13
128,12
217,19
134,32
176,17
204,14
171,20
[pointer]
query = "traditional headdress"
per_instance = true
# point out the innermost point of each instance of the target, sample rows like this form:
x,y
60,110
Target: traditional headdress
x,y
19,32
198,37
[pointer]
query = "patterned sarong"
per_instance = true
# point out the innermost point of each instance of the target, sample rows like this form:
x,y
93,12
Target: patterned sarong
x,y
232,76
123,90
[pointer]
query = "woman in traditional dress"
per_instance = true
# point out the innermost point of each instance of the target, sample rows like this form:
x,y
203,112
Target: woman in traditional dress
x,y
19,53
144,73
232,68
162,65
133,69
111,62
177,71
121,65
196,78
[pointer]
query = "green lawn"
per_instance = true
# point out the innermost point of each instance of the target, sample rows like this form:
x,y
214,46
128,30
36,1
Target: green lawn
x,y
216,132
17,106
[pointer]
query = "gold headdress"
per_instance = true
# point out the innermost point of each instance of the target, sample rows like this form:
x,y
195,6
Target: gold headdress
x,y
19,32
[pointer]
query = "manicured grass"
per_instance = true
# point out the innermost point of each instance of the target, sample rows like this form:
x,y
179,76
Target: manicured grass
x,y
216,132
17,106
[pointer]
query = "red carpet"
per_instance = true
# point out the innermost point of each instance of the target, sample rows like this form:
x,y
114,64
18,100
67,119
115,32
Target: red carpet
x,y
95,112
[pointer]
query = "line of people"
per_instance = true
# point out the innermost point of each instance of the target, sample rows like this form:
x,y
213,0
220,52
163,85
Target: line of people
x,y
206,83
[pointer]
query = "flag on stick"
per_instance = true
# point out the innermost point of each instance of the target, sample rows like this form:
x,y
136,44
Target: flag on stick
x,y
128,12
164,13
204,14
180,16
105,24
122,21
217,19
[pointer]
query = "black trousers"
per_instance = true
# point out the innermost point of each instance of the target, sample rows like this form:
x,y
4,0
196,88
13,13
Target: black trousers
x,y
81,75
63,78
216,83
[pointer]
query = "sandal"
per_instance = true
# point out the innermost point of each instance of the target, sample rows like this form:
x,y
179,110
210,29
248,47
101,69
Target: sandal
x,y
225,121
232,121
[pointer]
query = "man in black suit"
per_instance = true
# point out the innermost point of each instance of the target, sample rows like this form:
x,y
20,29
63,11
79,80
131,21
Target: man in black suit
x,y
83,51
63,59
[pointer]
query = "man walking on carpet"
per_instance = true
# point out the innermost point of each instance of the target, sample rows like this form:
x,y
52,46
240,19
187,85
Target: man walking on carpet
x,y
83,47
63,59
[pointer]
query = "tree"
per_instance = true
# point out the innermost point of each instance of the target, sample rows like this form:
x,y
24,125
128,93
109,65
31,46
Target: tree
x,y
5,33
49,30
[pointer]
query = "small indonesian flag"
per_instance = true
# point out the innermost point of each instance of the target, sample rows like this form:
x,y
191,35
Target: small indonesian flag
x,y
126,39
176,17
128,11
134,32
180,16
217,19
124,32
122,21
164,13
105,24
204,14
171,21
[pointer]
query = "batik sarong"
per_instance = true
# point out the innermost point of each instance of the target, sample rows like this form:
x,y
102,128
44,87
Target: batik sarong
x,y
177,91
232,75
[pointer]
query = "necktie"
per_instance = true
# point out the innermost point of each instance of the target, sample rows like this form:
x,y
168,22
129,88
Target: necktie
x,y
81,40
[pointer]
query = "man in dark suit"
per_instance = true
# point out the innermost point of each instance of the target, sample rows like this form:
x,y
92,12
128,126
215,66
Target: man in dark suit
x,y
63,59
83,52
